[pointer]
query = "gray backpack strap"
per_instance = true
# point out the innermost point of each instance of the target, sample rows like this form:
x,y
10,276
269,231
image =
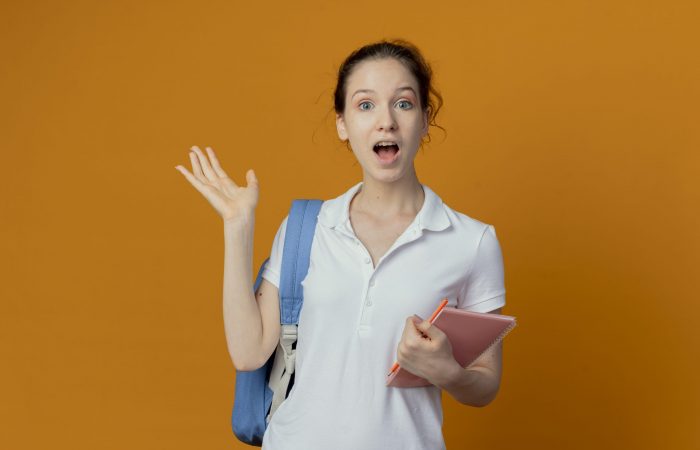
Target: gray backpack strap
x,y
283,367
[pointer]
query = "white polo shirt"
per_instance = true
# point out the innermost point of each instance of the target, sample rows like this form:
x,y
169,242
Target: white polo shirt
x,y
353,317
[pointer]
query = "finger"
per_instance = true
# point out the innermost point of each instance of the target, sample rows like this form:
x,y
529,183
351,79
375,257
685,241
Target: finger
x,y
196,168
409,331
421,325
409,325
251,178
215,164
411,322
206,167
191,178
406,334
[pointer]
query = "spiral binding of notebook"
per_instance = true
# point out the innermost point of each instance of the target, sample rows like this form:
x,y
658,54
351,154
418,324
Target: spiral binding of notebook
x,y
495,341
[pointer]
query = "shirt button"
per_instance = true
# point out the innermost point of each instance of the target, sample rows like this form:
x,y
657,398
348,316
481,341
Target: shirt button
x,y
357,242
367,260
369,302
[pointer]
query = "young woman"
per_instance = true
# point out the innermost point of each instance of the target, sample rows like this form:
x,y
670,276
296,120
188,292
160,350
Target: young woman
x,y
384,251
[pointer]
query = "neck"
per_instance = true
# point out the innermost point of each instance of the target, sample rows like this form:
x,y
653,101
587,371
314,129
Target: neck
x,y
389,200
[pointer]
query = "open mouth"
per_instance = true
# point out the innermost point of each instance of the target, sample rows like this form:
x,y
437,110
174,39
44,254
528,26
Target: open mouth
x,y
387,154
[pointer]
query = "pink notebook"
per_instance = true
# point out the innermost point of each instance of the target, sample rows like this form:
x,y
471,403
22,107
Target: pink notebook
x,y
470,333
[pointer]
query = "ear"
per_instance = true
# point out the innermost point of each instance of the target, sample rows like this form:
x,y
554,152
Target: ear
x,y
340,126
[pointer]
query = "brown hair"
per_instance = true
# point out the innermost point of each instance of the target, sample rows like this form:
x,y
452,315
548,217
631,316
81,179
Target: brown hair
x,y
407,54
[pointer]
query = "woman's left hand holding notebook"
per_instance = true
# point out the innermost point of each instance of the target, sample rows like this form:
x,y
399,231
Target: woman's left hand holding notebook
x,y
424,349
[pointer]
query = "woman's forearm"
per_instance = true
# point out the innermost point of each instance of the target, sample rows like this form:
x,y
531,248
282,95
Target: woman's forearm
x,y
242,319
476,386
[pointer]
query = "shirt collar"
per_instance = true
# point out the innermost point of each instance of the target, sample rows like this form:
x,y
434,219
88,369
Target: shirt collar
x,y
432,215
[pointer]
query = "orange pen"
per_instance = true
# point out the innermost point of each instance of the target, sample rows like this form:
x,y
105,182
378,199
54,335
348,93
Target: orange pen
x,y
435,313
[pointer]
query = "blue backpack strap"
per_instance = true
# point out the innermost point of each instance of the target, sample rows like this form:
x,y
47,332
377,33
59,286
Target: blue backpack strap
x,y
299,235
253,396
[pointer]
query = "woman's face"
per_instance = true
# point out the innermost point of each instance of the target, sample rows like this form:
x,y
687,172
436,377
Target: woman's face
x,y
381,104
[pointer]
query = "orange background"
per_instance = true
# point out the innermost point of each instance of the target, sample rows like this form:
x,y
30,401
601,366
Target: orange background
x,y
572,127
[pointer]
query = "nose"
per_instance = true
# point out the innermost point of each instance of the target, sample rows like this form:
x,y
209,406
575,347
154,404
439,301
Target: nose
x,y
385,120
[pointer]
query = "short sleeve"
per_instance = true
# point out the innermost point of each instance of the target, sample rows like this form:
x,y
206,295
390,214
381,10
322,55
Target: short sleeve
x,y
484,288
273,268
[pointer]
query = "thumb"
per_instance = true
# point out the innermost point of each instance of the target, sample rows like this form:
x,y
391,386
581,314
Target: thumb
x,y
250,177
424,326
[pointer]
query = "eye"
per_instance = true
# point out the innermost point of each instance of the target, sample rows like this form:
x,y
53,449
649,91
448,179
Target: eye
x,y
410,105
364,103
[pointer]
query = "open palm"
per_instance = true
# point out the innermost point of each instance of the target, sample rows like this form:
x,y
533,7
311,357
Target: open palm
x,y
230,200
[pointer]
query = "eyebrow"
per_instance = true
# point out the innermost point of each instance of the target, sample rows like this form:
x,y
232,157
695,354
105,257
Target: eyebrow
x,y
402,88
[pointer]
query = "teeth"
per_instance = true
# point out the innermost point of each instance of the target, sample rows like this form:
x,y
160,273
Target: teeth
x,y
385,143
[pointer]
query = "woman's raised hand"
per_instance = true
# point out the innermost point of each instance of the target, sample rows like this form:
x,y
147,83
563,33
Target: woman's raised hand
x,y
231,201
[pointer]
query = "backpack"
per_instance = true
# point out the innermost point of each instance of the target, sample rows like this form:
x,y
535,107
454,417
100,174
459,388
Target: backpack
x,y
260,392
